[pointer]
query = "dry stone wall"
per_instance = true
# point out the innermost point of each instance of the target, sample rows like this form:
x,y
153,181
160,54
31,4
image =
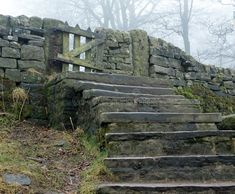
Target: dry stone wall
x,y
170,62
29,45
23,61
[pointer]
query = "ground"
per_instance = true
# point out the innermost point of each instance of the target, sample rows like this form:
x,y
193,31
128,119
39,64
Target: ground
x,y
55,161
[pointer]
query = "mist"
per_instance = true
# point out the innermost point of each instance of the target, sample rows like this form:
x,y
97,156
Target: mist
x,y
204,30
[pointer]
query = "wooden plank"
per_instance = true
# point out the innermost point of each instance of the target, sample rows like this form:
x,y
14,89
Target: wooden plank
x,y
76,44
76,31
83,48
65,67
77,61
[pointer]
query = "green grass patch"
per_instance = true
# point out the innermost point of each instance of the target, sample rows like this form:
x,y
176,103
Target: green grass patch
x,y
96,172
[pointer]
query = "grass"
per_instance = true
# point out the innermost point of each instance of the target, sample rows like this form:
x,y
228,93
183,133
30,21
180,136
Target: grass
x,y
75,166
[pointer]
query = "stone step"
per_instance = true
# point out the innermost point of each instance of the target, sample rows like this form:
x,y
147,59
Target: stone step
x,y
79,85
157,127
139,104
167,188
88,94
119,79
171,143
173,168
147,117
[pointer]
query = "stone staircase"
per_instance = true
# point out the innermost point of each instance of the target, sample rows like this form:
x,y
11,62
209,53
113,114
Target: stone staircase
x,y
158,142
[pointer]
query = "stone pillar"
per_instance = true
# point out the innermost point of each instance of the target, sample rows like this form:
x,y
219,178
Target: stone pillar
x,y
140,52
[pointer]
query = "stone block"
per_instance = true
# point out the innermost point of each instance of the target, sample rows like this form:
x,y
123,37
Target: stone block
x,y
4,20
19,21
52,23
39,43
35,22
3,42
15,45
13,74
229,84
31,64
124,67
140,52
9,52
159,70
11,38
8,63
190,76
29,52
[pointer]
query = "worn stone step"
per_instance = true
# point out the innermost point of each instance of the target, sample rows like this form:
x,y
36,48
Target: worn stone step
x,y
171,143
140,104
79,85
88,94
148,117
119,79
173,168
157,127
167,188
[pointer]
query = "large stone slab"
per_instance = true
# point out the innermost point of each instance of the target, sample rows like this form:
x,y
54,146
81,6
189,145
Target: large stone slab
x,y
116,79
88,94
140,117
20,179
167,188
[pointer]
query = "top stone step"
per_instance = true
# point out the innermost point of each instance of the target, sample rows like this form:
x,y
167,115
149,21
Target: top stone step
x,y
115,79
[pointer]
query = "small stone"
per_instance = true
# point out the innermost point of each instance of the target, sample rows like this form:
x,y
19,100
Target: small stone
x,y
20,179
60,143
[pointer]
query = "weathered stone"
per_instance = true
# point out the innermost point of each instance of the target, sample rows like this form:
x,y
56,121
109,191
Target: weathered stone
x,y
11,38
3,42
32,77
15,45
8,63
2,73
229,84
19,21
20,179
31,64
124,67
52,23
159,69
190,76
13,74
29,52
140,52
4,20
10,52
35,22
36,43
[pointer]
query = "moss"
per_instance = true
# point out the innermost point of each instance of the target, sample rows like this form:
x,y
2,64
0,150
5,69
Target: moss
x,y
227,124
209,101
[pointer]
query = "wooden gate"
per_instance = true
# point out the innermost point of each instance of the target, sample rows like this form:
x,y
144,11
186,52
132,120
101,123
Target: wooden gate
x,y
91,49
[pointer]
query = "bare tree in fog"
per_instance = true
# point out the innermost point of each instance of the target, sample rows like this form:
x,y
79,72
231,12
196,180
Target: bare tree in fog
x,y
177,20
116,14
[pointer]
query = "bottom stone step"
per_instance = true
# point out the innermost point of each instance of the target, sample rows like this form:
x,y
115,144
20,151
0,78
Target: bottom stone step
x,y
163,169
181,188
